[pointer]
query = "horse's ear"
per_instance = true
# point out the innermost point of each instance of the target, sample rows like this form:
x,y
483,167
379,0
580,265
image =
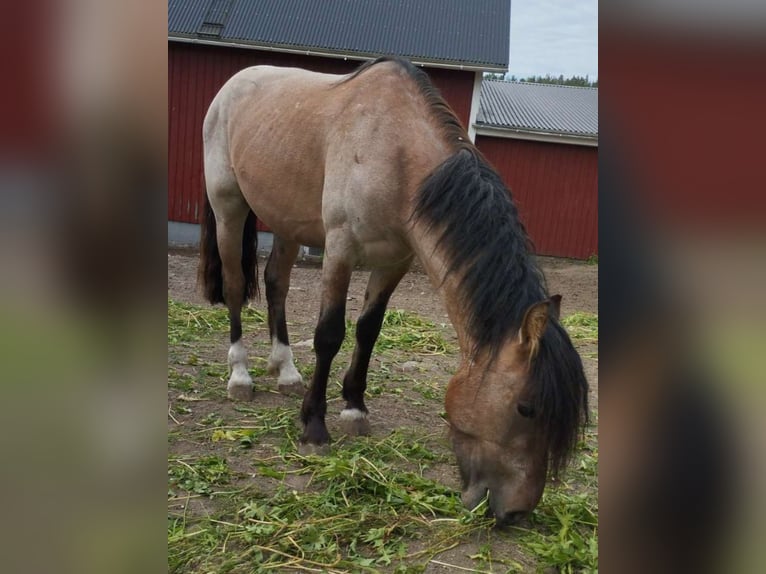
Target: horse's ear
x,y
536,319
555,307
534,323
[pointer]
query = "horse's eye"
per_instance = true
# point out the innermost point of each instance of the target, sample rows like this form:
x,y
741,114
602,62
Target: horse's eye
x,y
525,410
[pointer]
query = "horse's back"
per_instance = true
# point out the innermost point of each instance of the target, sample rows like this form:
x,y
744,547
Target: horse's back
x,y
258,132
257,100
313,152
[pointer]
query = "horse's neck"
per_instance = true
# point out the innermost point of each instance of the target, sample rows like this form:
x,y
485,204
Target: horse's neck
x,y
446,283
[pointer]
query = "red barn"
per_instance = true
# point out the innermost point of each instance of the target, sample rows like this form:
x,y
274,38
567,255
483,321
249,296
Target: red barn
x,y
210,40
543,140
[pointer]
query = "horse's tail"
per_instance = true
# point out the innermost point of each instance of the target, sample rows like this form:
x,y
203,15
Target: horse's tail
x,y
250,257
210,274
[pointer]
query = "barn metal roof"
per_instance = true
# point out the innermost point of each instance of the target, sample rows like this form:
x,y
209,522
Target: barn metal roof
x,y
540,108
450,33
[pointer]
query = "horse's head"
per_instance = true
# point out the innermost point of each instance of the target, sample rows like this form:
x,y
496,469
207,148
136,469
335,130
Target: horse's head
x,y
516,416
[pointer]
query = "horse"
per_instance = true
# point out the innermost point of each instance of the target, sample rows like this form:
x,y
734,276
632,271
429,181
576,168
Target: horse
x,y
375,168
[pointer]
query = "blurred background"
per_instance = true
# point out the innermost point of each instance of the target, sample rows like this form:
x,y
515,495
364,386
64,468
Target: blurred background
x,y
682,200
82,280
83,288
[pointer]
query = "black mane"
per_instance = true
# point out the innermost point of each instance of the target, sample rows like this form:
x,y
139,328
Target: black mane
x,y
559,392
466,203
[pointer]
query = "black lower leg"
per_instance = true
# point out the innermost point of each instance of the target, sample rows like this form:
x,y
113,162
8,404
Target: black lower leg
x,y
328,338
234,301
275,298
367,331
235,325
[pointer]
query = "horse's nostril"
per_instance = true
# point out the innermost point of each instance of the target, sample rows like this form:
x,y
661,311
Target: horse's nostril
x,y
511,518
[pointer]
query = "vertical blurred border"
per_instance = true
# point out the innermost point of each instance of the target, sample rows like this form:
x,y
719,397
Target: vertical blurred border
x,y
82,285
682,262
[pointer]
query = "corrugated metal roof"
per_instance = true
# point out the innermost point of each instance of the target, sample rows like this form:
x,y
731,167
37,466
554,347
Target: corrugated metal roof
x,y
450,32
539,107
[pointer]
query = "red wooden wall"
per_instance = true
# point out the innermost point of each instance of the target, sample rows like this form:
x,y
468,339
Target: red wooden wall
x,y
556,189
706,173
196,73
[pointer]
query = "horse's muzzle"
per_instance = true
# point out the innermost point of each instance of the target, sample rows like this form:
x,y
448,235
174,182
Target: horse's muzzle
x,y
510,519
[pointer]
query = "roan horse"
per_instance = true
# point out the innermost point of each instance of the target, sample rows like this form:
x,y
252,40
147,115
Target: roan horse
x,y
376,168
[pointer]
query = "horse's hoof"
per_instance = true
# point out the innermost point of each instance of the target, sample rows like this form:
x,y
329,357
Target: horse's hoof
x,y
272,367
241,391
308,449
354,422
292,389
359,427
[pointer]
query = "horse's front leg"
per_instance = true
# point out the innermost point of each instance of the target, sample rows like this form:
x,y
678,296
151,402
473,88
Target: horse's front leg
x,y
381,285
328,337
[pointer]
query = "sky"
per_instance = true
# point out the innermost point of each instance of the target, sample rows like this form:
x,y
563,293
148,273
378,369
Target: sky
x,y
554,37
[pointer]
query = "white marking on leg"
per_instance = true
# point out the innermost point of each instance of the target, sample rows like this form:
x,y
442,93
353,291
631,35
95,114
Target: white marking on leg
x,y
352,415
238,367
281,361
237,354
354,422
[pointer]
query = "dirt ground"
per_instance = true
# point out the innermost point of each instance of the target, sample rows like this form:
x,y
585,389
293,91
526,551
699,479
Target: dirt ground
x,y
575,281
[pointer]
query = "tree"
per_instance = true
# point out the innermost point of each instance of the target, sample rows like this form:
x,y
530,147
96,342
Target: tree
x,y
582,81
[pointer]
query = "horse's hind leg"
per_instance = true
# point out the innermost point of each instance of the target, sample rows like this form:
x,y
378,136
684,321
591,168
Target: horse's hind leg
x,y
380,286
277,280
230,225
